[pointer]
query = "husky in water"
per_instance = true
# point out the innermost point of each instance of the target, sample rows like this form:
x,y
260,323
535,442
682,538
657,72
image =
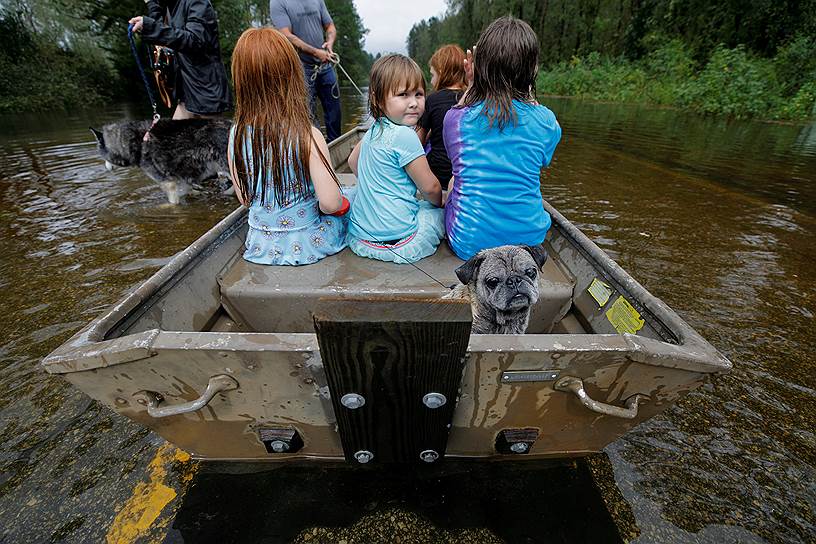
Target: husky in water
x,y
188,151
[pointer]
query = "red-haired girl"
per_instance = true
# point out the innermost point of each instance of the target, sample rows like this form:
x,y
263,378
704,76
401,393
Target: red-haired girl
x,y
448,82
278,161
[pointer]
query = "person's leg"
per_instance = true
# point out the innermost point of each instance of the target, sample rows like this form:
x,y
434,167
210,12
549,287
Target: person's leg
x,y
181,112
329,92
308,73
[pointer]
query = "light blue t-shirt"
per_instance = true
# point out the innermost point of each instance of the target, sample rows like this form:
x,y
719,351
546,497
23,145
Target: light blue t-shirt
x,y
386,207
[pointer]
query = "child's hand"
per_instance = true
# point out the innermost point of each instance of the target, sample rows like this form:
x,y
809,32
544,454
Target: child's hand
x,y
469,66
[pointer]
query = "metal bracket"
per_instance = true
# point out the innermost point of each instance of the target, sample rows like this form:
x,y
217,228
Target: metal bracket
x,y
217,384
514,376
571,384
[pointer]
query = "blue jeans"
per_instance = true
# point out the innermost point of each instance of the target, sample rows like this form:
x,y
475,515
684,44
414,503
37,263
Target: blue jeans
x,y
321,82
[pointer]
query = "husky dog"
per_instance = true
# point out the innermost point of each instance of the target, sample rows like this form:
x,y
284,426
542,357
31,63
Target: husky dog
x,y
189,151
502,285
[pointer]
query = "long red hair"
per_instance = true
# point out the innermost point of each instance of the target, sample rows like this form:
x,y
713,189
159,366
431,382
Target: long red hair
x,y
448,62
271,114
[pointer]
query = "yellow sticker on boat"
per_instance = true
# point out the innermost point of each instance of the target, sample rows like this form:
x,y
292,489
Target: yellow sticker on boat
x,y
599,291
624,317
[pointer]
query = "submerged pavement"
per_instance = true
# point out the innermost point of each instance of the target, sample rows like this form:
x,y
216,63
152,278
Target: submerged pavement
x,y
180,500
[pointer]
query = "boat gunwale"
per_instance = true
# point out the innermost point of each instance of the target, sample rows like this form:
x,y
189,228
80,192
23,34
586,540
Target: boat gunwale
x,y
691,351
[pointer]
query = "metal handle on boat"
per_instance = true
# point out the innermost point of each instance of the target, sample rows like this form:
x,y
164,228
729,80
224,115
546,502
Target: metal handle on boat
x,y
217,384
575,385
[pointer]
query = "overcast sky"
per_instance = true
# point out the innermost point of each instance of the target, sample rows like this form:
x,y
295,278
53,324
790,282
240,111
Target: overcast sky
x,y
388,21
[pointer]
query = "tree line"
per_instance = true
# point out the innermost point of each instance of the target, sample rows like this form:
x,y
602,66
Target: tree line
x,y
772,43
62,54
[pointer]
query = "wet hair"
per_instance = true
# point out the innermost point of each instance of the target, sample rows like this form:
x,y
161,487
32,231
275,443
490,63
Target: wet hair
x,y
448,62
390,75
272,114
505,66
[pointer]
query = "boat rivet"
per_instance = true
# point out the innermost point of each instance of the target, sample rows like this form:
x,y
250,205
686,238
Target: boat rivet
x,y
363,456
279,446
434,400
429,456
519,447
352,401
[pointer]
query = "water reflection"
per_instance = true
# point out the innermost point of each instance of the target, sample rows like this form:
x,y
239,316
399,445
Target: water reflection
x,y
717,219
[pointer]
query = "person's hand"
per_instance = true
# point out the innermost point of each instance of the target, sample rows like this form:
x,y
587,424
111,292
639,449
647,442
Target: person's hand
x,y
469,66
137,23
328,46
323,55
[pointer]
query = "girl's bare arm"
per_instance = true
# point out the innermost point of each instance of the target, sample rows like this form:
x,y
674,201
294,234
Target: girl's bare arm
x,y
354,157
425,180
423,134
234,177
328,193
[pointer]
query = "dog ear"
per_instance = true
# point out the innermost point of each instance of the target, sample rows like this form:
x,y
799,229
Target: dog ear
x,y
467,271
100,138
538,253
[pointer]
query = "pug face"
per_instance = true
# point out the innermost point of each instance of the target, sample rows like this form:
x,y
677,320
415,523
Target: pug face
x,y
503,283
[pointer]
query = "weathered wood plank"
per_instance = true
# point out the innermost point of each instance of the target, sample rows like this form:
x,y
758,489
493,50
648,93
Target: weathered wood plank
x,y
393,353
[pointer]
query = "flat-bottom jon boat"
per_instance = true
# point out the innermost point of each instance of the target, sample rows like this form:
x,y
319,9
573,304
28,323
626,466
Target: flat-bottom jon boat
x,y
356,359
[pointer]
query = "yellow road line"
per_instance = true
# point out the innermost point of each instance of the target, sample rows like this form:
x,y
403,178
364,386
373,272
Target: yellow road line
x,y
138,515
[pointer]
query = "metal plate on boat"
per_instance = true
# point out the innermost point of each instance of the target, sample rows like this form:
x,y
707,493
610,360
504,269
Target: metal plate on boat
x,y
513,376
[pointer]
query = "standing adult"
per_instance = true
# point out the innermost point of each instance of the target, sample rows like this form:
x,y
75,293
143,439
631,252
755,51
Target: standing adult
x,y
309,27
191,31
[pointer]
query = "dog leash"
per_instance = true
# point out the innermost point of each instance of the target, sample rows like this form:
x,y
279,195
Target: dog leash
x,y
150,96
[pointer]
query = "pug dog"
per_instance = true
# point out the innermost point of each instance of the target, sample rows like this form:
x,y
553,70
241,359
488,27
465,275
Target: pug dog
x,y
502,286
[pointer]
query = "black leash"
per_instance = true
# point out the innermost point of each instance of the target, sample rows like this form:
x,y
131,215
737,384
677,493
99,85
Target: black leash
x,y
149,90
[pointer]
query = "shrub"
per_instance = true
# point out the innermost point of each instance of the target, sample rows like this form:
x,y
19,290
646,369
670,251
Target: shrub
x,y
733,83
795,64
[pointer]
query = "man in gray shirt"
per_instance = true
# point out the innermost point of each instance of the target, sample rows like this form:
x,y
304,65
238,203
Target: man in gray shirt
x,y
304,23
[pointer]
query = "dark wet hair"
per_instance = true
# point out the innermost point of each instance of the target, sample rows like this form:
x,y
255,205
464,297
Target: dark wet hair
x,y
505,66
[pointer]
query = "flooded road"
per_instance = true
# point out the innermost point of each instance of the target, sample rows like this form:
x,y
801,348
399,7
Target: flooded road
x,y
717,218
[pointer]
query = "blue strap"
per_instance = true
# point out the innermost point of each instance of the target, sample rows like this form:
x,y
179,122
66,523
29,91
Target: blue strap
x,y
142,72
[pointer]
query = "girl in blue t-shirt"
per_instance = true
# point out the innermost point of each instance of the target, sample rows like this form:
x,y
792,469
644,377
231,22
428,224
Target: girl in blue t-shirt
x,y
387,222
498,139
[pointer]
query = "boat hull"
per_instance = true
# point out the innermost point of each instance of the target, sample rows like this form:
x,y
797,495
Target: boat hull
x,y
208,314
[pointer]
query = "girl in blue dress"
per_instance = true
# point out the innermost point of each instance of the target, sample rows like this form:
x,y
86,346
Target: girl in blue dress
x,y
388,222
498,139
278,161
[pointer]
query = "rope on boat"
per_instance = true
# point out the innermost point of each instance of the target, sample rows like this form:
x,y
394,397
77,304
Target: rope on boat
x,y
335,59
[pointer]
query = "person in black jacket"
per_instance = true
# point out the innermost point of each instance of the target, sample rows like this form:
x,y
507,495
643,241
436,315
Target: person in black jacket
x,y
191,31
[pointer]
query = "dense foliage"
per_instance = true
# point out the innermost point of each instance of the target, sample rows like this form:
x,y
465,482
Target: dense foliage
x,y
60,54
742,58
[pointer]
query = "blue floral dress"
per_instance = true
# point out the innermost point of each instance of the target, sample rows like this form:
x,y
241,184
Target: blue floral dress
x,y
295,233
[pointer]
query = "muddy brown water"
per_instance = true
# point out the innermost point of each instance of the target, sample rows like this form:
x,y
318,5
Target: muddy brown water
x,y
716,217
